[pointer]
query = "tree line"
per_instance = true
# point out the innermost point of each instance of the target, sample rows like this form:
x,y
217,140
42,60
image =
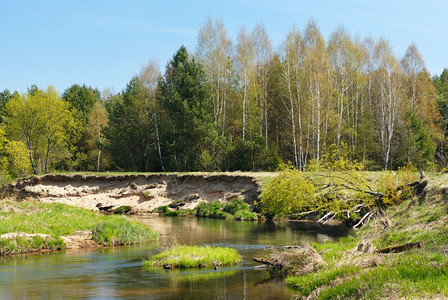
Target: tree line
x,y
239,106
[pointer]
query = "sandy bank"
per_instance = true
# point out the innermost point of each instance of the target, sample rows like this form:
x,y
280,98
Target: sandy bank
x,y
142,193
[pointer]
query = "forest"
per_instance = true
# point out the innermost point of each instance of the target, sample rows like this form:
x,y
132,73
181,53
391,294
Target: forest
x,y
238,105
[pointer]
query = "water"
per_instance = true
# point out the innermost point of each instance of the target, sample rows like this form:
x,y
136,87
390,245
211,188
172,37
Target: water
x,y
119,273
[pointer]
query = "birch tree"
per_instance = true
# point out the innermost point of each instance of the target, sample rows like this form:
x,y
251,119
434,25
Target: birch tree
x,y
317,72
150,76
213,50
294,100
262,57
388,97
245,72
341,55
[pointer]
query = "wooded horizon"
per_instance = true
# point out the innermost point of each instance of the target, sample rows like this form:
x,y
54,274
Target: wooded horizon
x,y
239,107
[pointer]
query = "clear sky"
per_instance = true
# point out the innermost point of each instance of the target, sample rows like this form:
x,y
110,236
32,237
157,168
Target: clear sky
x,y
103,43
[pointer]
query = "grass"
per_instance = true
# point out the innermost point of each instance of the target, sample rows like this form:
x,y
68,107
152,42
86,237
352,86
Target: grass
x,y
354,272
182,256
23,244
419,273
58,220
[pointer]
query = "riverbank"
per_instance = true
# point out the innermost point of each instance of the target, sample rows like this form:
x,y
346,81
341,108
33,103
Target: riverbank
x,y
32,226
139,193
360,266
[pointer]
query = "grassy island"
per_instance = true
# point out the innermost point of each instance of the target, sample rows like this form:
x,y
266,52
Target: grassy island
x,y
28,226
183,256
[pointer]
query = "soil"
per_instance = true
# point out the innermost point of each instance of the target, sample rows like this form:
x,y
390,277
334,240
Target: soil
x,y
142,193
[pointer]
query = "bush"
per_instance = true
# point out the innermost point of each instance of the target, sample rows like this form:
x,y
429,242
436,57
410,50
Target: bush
x,y
287,194
212,210
122,210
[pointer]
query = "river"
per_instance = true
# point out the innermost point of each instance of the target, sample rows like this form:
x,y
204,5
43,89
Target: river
x,y
118,272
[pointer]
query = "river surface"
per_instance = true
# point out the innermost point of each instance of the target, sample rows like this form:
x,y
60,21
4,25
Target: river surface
x,y
118,272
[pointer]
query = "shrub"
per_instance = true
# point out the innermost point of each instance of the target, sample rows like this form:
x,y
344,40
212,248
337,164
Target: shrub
x,y
212,210
122,210
287,194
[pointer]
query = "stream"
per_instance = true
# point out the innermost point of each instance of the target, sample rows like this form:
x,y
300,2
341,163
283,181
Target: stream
x,y
118,272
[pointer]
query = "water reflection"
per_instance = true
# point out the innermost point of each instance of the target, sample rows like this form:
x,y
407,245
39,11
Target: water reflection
x,y
118,272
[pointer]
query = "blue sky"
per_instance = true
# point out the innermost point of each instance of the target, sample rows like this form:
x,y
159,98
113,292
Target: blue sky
x,y
104,43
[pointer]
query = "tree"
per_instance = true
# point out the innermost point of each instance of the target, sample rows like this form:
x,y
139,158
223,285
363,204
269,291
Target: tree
x,y
44,123
14,158
422,124
150,76
387,98
130,133
213,51
316,64
95,138
293,94
5,96
262,57
441,84
188,111
245,66
82,99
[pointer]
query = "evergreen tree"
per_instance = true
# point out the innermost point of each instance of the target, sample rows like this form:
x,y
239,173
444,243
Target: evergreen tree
x,y
188,113
130,132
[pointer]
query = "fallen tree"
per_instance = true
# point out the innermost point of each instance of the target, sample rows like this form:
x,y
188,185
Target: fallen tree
x,y
336,188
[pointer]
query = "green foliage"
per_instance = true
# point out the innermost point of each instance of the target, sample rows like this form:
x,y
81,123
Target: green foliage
x,y
122,210
45,124
252,155
194,257
390,182
86,103
5,96
188,113
14,158
130,134
235,209
287,194
336,159
441,84
335,186
82,99
212,210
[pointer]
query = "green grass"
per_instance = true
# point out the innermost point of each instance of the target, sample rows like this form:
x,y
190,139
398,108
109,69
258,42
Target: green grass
x,y
183,256
57,219
306,284
420,273
24,245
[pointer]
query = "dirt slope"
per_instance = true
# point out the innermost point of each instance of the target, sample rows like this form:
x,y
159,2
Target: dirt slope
x,y
142,192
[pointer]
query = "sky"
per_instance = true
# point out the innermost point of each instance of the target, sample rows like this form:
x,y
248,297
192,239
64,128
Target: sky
x,y
104,43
